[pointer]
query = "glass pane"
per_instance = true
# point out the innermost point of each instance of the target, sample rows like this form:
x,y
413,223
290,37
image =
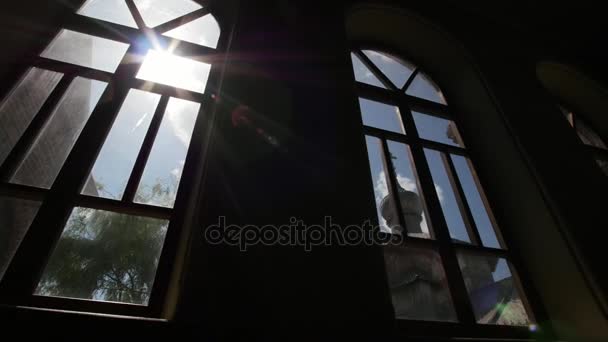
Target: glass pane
x,y
202,31
492,290
418,284
396,71
424,88
44,160
166,68
86,50
115,162
380,115
163,171
481,214
587,135
363,74
447,198
156,12
384,203
105,256
16,216
412,201
114,11
437,129
22,104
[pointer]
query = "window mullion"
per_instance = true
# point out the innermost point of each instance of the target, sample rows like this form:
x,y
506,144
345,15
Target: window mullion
x,y
461,200
393,187
460,297
410,80
375,70
13,160
144,152
45,230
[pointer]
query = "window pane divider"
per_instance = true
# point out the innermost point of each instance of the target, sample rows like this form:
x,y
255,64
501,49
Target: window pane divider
x,y
441,147
375,70
183,20
27,140
22,191
458,291
461,199
72,69
374,93
45,230
136,209
139,20
392,184
410,80
383,134
144,151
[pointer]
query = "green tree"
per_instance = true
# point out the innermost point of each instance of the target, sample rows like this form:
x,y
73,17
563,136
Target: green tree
x,y
107,256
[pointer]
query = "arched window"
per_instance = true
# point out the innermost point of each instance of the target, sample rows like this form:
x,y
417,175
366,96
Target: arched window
x,y
583,103
454,265
589,137
100,139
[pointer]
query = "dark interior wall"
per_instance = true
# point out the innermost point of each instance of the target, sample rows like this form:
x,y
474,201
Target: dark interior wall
x,y
27,26
289,64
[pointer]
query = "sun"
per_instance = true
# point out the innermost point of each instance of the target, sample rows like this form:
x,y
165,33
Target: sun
x,y
162,66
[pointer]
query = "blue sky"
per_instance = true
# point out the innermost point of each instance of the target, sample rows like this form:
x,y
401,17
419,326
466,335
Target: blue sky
x,y
386,117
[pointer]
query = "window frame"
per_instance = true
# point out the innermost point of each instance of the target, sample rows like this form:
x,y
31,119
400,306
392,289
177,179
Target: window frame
x,y
466,326
25,269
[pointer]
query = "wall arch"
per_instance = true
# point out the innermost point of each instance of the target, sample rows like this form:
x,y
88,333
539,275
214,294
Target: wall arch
x,y
530,226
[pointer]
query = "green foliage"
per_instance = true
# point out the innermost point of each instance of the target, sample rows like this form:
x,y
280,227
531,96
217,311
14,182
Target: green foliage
x,y
105,256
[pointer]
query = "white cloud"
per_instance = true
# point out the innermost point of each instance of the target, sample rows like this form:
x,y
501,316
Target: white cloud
x,y
381,56
381,191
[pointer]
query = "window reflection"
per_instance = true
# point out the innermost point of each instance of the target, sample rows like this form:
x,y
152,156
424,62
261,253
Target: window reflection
x,y
22,104
418,284
16,215
105,256
410,197
46,157
493,290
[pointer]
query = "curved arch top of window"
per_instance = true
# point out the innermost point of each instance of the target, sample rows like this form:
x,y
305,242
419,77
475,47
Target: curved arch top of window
x,y
180,19
383,70
583,102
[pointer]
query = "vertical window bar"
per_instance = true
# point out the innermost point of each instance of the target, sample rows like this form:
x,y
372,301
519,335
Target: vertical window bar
x,y
458,290
139,20
48,225
486,205
465,210
393,187
144,152
13,160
